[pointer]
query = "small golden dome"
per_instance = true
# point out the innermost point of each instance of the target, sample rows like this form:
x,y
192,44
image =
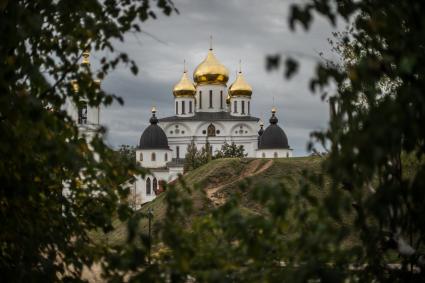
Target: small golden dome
x,y
86,58
211,71
184,87
240,87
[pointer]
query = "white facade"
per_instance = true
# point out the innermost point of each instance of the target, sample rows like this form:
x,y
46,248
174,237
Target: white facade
x,y
184,106
211,98
274,153
153,158
240,106
181,133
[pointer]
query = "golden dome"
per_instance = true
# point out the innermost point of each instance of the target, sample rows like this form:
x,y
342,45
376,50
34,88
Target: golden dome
x,y
86,58
211,71
184,87
240,87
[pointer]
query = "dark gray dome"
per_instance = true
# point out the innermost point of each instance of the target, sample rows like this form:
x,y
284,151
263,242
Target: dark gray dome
x,y
273,137
153,137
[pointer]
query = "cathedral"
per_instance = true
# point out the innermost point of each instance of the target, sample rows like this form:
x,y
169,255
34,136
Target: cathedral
x,y
206,112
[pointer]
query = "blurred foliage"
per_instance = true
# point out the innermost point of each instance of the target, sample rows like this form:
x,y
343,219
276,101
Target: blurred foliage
x,y
56,186
127,154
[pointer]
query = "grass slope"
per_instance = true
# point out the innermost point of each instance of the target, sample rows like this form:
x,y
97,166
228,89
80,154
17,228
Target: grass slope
x,y
224,177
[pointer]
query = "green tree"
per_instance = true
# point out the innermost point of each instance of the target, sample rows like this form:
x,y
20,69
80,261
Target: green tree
x,y
230,151
196,158
127,154
190,159
377,128
56,187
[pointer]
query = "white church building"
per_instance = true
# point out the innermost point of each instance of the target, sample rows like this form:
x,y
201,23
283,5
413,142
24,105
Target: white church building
x,y
206,111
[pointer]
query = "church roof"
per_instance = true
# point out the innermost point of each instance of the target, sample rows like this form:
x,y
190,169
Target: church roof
x,y
273,137
153,137
210,116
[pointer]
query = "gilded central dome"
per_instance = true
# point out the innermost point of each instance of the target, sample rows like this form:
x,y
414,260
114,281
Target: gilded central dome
x,y
240,87
211,71
184,87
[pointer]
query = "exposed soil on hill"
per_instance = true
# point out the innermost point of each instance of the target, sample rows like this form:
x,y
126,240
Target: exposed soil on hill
x,y
255,167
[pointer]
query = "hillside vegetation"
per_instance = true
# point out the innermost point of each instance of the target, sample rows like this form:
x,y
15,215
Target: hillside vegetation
x,y
212,184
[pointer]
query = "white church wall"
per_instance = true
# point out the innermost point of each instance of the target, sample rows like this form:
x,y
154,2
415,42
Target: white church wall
x,y
237,129
174,172
184,106
93,113
145,188
218,98
240,106
242,133
274,153
177,129
202,128
153,158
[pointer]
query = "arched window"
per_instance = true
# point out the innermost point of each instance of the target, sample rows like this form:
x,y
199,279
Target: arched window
x,y
190,106
211,102
153,156
148,186
141,156
211,130
177,108
275,155
183,107
200,99
243,106
177,152
166,157
263,155
235,107
155,185
82,113
221,99
249,110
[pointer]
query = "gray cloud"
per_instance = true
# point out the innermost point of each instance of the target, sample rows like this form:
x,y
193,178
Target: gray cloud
x,y
241,29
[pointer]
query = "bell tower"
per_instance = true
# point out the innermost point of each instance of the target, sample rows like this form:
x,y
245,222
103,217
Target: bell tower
x,y
85,116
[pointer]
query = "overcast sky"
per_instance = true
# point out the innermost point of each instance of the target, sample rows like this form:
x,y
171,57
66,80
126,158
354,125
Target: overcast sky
x,y
246,30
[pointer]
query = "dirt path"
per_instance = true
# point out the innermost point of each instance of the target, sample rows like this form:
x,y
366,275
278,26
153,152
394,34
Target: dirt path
x,y
251,170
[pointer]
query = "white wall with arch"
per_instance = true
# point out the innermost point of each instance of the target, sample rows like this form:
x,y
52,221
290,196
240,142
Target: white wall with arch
x,y
153,158
274,153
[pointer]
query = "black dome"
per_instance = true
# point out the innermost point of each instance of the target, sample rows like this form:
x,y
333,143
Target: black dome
x,y
153,136
273,137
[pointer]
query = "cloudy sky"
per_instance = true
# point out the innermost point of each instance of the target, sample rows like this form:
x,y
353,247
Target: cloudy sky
x,y
246,30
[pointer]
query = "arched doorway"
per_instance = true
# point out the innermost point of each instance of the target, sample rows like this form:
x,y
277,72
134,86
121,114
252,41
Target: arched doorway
x,y
211,130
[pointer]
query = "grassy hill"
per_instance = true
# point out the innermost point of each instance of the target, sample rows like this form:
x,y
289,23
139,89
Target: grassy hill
x,y
214,182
